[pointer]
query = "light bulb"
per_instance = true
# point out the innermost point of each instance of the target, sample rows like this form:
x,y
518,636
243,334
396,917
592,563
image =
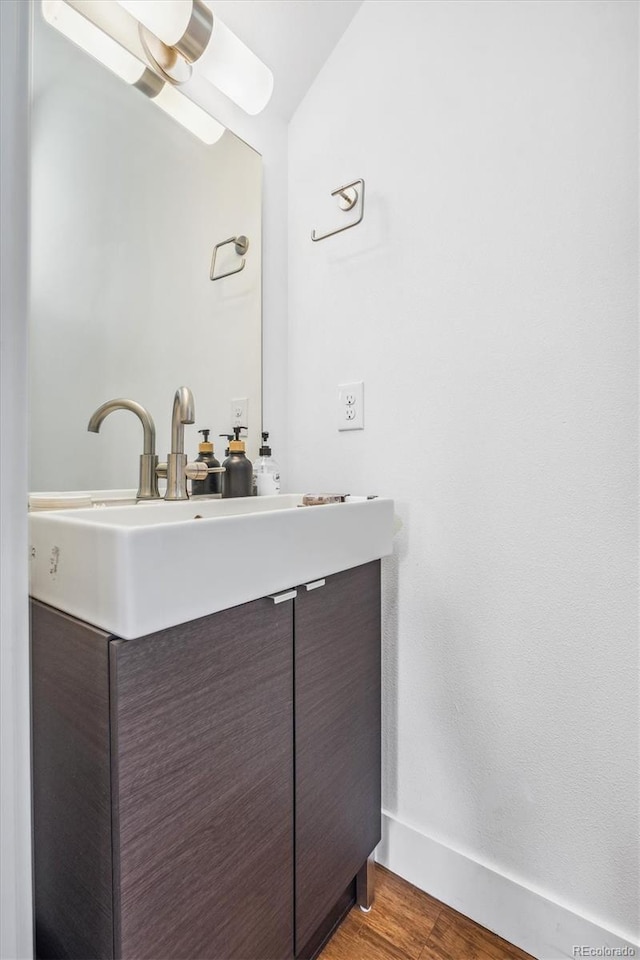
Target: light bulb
x,y
189,114
93,40
235,70
168,19
204,40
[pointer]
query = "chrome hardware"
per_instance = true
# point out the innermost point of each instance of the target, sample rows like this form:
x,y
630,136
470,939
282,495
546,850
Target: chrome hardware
x,y
241,244
147,482
166,61
348,196
193,471
149,83
174,63
281,597
198,470
183,412
177,470
314,584
193,42
365,884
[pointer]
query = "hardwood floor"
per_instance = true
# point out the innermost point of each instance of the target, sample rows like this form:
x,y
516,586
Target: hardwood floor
x,y
407,924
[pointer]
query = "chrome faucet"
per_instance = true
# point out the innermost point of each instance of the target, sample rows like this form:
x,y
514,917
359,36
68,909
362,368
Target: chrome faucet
x,y
148,481
177,470
183,412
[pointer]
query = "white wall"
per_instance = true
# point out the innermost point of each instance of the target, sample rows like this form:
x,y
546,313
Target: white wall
x,y
488,301
16,930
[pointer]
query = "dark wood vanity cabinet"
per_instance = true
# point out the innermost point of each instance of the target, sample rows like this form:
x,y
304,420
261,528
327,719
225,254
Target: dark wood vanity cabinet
x,y
211,790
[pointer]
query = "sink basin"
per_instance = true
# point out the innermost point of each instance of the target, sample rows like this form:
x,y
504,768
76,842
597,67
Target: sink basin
x,y
132,570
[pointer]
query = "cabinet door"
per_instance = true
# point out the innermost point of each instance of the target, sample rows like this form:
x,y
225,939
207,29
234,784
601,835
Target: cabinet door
x,y
337,739
202,727
71,787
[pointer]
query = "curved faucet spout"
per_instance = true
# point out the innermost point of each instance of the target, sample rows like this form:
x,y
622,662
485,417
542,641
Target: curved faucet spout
x,y
148,426
148,481
183,412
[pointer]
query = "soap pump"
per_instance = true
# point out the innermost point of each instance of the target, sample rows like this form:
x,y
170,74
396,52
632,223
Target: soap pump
x,y
228,437
211,485
238,478
266,472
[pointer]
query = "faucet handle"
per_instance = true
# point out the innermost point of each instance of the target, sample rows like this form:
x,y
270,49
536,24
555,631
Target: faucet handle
x,y
198,470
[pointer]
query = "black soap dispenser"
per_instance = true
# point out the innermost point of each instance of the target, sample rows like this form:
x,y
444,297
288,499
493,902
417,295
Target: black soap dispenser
x,y
228,436
238,478
210,486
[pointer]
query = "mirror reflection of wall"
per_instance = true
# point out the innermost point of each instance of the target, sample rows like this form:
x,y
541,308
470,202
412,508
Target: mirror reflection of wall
x,y
126,208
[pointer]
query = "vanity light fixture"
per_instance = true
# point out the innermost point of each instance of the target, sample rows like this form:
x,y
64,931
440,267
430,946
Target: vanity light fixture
x,y
185,111
182,33
107,34
94,35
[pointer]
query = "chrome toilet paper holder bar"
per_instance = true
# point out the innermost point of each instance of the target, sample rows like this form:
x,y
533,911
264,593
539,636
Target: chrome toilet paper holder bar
x,y
348,195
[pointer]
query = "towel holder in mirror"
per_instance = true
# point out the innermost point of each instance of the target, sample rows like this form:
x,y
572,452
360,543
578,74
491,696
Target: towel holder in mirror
x,y
241,244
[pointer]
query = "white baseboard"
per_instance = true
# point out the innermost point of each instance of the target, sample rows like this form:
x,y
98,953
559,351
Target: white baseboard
x,y
537,925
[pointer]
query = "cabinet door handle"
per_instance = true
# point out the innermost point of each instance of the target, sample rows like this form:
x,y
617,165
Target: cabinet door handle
x,y
281,597
314,584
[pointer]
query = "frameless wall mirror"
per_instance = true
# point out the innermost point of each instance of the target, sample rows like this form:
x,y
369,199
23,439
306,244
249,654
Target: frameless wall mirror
x,y
127,208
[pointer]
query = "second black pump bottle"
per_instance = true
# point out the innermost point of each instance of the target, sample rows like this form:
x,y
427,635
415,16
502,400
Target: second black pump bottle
x,y
237,481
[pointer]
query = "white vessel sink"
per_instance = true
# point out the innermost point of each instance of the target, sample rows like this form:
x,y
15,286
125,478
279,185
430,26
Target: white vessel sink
x,y
136,569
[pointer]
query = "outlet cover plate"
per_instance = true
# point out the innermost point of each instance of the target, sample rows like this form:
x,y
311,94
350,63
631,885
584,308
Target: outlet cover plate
x,y
351,406
240,412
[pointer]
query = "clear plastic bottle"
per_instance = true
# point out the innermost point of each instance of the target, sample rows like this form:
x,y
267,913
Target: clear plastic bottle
x,y
266,472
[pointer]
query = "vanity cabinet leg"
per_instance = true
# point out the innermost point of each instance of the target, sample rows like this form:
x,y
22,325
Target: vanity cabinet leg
x,y
365,884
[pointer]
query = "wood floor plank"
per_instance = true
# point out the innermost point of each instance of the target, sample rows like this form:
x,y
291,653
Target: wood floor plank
x,y
407,924
398,926
456,936
402,914
355,941
344,941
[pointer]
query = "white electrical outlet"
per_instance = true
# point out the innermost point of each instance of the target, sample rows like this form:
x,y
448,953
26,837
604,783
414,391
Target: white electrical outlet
x,y
351,406
240,412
